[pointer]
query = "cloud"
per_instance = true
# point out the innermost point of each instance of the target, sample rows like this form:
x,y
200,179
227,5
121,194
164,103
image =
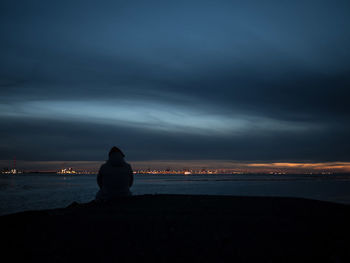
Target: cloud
x,y
203,81
153,115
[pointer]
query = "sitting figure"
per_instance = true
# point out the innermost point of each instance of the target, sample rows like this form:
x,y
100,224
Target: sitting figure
x,y
115,177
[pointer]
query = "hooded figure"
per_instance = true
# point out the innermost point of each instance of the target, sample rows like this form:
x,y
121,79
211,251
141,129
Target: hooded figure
x,y
115,177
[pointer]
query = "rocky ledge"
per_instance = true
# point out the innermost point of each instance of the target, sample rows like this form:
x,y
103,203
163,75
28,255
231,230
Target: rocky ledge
x,y
177,228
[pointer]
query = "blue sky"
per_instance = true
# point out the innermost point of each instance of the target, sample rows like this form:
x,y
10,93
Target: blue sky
x,y
166,80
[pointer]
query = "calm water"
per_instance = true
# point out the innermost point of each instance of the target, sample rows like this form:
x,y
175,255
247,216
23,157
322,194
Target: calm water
x,y
31,192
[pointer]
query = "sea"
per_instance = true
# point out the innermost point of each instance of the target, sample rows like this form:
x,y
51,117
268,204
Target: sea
x,y
24,192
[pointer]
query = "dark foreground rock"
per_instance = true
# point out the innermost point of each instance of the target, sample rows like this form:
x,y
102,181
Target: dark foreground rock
x,y
177,228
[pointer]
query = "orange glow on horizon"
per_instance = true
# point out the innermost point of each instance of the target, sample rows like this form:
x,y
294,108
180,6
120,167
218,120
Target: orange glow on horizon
x,y
219,165
334,166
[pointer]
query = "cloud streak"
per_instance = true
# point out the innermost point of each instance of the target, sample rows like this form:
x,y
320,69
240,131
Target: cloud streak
x,y
151,115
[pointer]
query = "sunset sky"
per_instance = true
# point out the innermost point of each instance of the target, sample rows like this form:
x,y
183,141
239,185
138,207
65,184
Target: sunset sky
x,y
191,83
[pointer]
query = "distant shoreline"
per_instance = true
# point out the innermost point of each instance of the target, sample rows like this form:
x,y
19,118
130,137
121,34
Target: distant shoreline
x,y
209,174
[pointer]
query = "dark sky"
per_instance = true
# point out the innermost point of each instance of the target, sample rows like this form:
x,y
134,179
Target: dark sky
x,y
172,80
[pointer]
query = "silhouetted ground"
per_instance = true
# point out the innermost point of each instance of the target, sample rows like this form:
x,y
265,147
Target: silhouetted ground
x,y
177,228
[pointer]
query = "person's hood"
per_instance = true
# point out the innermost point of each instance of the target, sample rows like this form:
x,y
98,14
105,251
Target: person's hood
x,y
116,159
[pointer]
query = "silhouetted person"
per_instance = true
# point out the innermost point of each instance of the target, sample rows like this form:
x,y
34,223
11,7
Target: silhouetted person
x,y
115,177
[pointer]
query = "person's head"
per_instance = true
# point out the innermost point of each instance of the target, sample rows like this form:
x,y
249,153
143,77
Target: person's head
x,y
115,150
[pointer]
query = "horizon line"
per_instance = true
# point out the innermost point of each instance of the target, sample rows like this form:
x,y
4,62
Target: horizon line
x,y
240,166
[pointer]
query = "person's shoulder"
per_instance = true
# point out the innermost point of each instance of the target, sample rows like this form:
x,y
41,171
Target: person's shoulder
x,y
104,165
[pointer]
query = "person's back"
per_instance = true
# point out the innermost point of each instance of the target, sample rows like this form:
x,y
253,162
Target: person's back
x,y
115,177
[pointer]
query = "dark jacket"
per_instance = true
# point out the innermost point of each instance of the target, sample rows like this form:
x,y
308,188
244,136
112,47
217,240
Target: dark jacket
x,y
114,178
